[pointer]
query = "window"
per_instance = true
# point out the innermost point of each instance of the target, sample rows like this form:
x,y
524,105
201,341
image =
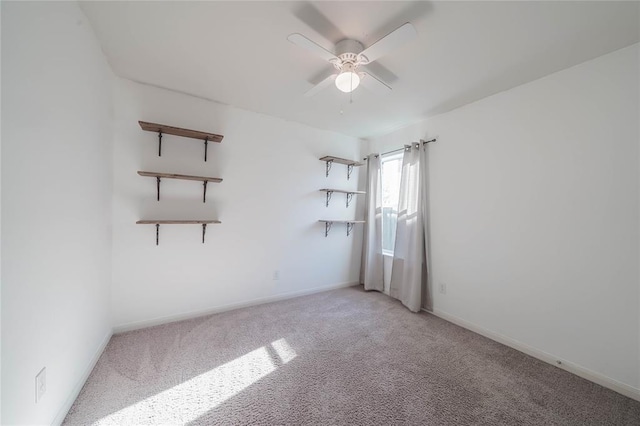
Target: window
x,y
391,172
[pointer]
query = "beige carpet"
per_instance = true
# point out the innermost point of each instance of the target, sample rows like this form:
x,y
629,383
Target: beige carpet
x,y
340,357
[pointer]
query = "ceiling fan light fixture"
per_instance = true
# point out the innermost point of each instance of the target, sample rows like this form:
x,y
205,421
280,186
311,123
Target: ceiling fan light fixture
x,y
347,81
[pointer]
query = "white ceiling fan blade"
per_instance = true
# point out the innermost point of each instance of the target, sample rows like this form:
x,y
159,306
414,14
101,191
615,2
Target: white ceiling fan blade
x,y
386,44
312,46
320,86
373,84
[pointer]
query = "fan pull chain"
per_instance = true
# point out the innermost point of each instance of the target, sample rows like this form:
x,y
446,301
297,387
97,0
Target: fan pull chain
x,y
351,92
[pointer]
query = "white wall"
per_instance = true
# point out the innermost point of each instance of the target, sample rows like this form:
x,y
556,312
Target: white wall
x,y
534,214
0,227
56,192
268,202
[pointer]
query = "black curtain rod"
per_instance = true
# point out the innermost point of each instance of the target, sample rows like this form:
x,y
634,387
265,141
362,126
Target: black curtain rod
x,y
422,141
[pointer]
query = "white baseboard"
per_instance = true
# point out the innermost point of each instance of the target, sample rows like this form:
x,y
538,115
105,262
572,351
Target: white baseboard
x,y
62,413
136,325
569,366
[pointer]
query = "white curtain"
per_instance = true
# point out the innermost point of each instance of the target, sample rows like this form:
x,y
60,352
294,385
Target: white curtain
x,y
409,255
372,266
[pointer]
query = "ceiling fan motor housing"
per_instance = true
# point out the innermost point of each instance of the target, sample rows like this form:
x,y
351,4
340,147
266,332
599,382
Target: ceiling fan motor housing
x,y
348,46
348,52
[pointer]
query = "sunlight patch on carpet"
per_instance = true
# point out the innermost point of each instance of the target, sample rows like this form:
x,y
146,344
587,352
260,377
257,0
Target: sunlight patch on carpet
x,y
191,399
284,351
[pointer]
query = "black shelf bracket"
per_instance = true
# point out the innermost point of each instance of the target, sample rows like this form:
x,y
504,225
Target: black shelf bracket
x,y
328,224
204,230
204,192
329,194
159,144
328,167
158,186
349,228
327,228
206,143
349,170
349,198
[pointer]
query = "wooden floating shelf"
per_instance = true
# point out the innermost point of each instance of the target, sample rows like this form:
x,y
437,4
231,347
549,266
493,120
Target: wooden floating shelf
x,y
341,221
342,191
176,222
328,223
157,223
350,194
341,161
159,176
329,159
183,177
161,129
178,131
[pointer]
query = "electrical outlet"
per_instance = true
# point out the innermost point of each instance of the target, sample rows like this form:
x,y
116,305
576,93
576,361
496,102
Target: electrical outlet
x,y
41,384
276,275
442,288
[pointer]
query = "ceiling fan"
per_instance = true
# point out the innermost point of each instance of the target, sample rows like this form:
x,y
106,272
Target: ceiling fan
x,y
350,59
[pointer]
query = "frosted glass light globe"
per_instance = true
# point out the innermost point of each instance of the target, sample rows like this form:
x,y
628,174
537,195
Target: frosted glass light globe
x,y
347,81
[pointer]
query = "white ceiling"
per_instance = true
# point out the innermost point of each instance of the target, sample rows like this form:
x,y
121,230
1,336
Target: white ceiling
x,y
237,53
